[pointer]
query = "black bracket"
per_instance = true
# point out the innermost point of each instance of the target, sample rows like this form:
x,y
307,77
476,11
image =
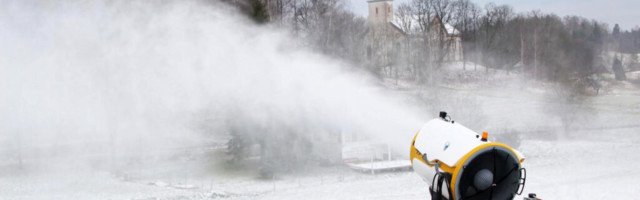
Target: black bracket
x,y
522,180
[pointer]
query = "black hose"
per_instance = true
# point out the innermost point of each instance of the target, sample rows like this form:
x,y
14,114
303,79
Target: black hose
x,y
437,181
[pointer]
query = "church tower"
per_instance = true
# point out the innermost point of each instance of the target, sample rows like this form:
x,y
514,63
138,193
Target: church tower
x,y
383,37
380,12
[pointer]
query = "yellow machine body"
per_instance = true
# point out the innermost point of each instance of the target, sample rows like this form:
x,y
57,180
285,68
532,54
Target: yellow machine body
x,y
451,147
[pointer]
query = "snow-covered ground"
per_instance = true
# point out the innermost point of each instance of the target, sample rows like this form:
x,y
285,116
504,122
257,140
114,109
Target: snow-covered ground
x,y
91,76
596,158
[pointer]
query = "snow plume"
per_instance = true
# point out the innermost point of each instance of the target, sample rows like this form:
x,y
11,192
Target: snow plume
x,y
133,78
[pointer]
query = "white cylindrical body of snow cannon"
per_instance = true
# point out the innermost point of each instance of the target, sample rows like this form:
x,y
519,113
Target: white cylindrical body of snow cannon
x,y
471,167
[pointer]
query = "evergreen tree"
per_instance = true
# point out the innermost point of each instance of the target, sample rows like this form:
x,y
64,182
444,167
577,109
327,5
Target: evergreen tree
x,y
618,70
616,31
259,12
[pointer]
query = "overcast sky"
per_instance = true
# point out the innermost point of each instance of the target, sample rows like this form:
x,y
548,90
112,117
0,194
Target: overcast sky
x,y
623,12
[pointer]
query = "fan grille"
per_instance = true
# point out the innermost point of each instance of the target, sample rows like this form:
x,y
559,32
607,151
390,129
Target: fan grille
x,y
492,173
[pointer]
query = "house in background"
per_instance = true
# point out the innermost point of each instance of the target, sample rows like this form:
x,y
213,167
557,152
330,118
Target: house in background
x,y
389,38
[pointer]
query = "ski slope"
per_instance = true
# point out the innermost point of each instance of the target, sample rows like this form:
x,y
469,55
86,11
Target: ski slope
x,y
592,162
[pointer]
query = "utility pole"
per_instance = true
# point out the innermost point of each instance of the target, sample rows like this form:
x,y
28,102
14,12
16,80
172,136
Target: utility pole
x,y
635,48
522,43
535,50
19,144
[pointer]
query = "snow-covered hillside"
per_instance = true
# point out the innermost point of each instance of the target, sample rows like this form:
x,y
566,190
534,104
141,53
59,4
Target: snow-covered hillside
x,y
132,101
581,162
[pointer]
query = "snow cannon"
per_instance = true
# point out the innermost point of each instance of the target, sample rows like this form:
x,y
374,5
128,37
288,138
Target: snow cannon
x,y
460,164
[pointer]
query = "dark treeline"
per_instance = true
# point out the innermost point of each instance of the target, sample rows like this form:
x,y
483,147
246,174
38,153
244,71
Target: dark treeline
x,y
325,25
546,46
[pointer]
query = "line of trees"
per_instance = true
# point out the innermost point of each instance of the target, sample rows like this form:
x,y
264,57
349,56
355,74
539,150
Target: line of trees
x,y
325,25
545,46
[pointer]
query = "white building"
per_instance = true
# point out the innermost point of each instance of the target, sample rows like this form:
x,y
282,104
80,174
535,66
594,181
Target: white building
x,y
388,37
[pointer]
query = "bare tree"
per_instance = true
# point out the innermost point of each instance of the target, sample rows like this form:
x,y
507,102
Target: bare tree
x,y
475,23
493,34
423,13
443,10
463,21
404,18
